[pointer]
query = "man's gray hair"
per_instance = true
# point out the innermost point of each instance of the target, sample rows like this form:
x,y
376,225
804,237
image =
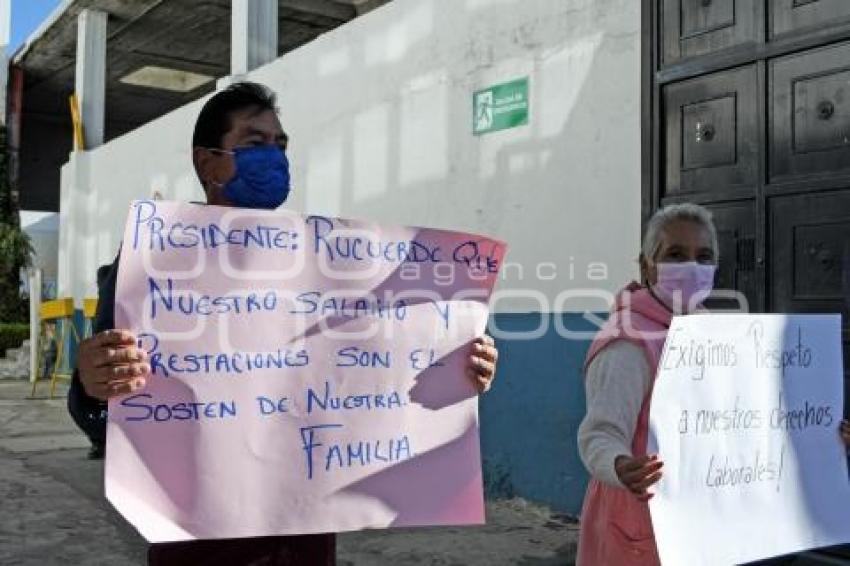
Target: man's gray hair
x,y
671,213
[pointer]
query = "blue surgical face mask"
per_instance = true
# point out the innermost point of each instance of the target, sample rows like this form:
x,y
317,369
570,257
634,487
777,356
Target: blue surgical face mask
x,y
262,177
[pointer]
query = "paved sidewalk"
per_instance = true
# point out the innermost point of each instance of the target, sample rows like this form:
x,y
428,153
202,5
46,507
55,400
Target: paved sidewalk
x,y
52,509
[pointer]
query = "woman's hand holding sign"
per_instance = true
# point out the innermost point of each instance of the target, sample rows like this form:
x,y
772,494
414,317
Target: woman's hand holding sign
x,y
111,364
638,474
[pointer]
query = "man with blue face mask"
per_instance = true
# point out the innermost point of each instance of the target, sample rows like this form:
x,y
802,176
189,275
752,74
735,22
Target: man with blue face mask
x,y
241,161
239,154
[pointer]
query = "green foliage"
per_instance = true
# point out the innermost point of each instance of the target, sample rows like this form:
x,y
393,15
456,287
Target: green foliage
x,y
8,202
15,254
14,306
16,250
12,336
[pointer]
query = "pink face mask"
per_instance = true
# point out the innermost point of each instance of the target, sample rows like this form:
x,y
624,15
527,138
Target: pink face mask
x,y
684,286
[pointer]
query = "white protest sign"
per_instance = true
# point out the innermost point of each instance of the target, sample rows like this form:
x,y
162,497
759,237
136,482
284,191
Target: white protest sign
x,y
745,414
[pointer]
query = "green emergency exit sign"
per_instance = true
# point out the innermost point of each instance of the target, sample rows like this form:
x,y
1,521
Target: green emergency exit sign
x,y
500,107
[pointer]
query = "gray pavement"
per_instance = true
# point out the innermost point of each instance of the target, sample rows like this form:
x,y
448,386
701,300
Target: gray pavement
x,y
52,509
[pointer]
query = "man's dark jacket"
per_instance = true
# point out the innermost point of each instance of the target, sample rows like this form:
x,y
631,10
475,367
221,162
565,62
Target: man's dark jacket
x,y
90,413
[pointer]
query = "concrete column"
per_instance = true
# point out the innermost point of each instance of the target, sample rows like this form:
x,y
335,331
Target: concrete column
x,y
253,35
34,275
5,34
90,83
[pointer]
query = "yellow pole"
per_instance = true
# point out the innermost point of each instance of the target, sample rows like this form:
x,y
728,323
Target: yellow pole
x,y
79,138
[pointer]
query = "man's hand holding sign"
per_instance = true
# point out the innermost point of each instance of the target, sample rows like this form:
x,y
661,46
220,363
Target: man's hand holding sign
x,y
290,375
112,364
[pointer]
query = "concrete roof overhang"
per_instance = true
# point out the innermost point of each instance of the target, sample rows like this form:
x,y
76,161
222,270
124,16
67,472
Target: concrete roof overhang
x,y
185,35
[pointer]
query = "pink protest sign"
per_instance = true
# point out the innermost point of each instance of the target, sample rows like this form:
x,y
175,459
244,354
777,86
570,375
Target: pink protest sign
x,y
308,374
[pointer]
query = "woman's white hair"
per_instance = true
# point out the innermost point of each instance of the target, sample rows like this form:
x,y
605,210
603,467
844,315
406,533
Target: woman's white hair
x,y
686,211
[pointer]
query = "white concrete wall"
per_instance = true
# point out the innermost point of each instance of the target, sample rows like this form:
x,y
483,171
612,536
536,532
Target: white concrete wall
x,y
379,114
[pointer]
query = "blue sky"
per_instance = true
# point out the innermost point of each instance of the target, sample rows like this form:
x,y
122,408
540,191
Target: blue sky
x,y
26,17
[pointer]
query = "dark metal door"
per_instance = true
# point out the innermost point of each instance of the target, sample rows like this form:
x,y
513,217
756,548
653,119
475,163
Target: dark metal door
x,y
697,27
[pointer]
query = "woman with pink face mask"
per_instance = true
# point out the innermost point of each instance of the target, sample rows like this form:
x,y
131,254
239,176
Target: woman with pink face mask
x,y
677,263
